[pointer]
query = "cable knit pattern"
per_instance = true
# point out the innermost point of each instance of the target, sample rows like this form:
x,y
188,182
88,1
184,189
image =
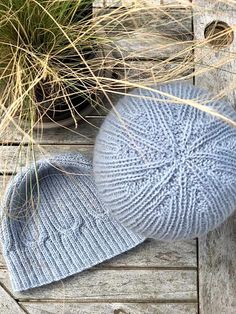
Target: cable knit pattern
x,y
54,225
167,170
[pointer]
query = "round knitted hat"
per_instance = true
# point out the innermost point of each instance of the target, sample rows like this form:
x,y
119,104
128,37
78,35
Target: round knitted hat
x,y
54,225
165,169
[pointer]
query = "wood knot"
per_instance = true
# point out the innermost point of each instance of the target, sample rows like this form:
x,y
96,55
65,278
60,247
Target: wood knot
x,y
120,311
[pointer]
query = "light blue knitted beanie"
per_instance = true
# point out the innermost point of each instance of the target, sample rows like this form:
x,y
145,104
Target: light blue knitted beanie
x,y
54,225
167,170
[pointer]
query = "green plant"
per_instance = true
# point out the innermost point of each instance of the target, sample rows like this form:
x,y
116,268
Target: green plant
x,y
47,51
52,51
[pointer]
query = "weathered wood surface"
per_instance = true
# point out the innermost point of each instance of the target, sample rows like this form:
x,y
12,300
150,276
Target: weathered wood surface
x,y
84,134
160,29
159,254
7,303
116,3
153,33
139,285
152,254
109,308
215,67
217,270
151,72
217,251
13,158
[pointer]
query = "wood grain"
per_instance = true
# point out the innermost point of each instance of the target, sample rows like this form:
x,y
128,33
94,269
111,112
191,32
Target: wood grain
x,y
135,285
152,72
152,254
84,134
215,67
217,270
7,303
109,308
153,33
217,251
13,158
116,3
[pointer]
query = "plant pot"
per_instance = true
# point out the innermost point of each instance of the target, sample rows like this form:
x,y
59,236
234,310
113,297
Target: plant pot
x,y
60,114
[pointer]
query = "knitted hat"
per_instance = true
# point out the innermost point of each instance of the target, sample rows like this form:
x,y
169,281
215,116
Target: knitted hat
x,y
56,225
166,169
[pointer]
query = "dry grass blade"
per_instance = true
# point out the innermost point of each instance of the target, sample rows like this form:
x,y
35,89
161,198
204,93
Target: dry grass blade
x,y
51,54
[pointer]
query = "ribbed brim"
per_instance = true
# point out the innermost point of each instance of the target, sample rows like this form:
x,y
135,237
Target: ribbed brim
x,y
66,244
68,254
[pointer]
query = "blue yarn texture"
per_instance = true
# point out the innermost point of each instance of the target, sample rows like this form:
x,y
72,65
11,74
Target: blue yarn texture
x,y
54,225
165,169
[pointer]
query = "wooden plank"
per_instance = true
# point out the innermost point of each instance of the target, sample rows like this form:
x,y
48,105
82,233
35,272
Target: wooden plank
x,y
159,254
215,69
217,270
108,308
115,3
136,285
152,253
83,134
153,72
13,158
7,303
99,3
152,33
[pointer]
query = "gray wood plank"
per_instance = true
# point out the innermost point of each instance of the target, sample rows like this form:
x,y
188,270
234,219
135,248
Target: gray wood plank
x,y
152,72
83,134
214,67
152,253
114,285
215,70
217,270
7,303
153,33
115,3
108,308
99,3
13,158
